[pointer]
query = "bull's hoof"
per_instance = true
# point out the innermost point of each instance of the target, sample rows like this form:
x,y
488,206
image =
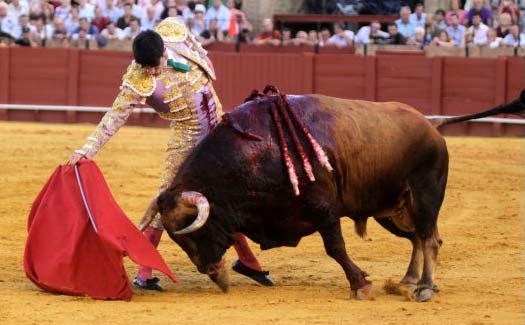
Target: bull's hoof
x,y
221,279
364,293
423,294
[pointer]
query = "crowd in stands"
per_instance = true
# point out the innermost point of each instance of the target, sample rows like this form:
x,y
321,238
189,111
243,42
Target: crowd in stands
x,y
71,22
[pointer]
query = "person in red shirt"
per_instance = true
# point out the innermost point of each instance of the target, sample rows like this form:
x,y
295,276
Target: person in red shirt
x,y
269,35
100,21
508,6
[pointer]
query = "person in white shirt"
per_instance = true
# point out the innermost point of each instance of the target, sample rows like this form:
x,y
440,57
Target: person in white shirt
x,y
112,32
17,8
341,37
132,30
418,17
221,13
23,21
86,10
514,38
63,10
7,23
111,11
367,34
477,33
148,20
493,41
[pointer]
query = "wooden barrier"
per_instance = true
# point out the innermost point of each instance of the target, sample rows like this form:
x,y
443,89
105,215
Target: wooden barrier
x,y
433,85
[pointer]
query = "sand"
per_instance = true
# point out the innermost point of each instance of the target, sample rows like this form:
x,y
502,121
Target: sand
x,y
480,270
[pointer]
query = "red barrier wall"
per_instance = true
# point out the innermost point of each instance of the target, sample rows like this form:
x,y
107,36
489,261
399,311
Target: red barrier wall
x,y
438,86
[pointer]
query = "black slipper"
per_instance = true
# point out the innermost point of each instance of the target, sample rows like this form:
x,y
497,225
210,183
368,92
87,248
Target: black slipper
x,y
149,284
259,276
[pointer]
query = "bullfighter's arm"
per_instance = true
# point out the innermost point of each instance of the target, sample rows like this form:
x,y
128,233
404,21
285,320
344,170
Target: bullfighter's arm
x,y
111,122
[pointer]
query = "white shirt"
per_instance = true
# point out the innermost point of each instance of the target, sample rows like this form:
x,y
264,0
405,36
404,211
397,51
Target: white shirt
x,y
119,33
480,34
510,40
495,43
146,23
87,11
363,35
7,24
15,12
340,40
418,22
129,34
17,30
222,15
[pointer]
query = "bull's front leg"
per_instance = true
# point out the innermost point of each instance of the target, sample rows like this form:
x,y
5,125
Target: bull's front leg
x,y
335,247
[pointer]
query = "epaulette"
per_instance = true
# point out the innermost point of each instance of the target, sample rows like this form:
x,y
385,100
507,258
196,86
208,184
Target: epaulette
x,y
172,30
139,80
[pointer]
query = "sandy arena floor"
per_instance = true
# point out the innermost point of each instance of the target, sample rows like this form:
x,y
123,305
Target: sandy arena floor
x,y
480,270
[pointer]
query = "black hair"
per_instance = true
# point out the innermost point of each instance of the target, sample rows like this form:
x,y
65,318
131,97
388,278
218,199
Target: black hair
x,y
476,13
440,11
148,48
392,24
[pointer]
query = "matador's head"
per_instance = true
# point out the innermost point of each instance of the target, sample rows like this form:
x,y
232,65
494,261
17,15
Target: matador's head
x,y
149,51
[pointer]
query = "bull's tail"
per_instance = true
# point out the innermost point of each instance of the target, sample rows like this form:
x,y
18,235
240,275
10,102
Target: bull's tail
x,y
514,107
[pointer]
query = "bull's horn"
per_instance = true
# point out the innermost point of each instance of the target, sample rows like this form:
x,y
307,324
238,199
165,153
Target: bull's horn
x,y
200,201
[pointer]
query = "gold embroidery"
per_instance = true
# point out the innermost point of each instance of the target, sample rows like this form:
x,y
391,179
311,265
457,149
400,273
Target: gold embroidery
x,y
139,80
172,94
172,30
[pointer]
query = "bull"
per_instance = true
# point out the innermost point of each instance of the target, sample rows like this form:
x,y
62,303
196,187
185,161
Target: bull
x,y
383,160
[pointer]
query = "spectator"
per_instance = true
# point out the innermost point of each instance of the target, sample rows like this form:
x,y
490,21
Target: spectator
x,y
72,22
169,4
419,37
238,21
395,37
132,30
183,10
493,41
418,18
312,37
17,31
26,37
42,31
505,23
81,39
86,10
324,36
111,11
100,21
135,10
443,39
477,33
287,37
148,20
301,38
199,25
404,26
159,8
483,12
514,38
212,34
60,31
269,34
431,29
63,11
341,37
17,8
219,12
456,31
439,19
172,11
509,7
369,34
86,31
455,9
124,20
7,23
112,32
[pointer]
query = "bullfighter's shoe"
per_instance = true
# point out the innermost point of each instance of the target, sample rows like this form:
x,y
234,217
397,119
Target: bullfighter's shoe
x,y
149,284
259,276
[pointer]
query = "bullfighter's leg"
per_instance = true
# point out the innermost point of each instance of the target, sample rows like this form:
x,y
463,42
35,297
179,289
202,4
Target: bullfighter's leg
x,y
247,264
335,248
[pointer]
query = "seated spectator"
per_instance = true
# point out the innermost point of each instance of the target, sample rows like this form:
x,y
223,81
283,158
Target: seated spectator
x,y
369,34
493,41
112,32
301,38
135,9
212,34
63,10
443,39
168,4
439,19
86,31
312,37
17,31
477,33
456,10
199,25
269,34
100,21
220,13
7,23
172,11
159,8
341,37
60,31
72,22
81,39
183,10
505,23
514,38
418,18
484,12
42,31
431,29
149,20
395,38
324,36
509,7
86,10
124,20
419,37
111,11
132,30
455,30
287,37
17,8
26,39
404,26
238,20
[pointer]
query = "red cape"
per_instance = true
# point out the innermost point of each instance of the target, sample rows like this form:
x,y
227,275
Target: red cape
x,y
64,253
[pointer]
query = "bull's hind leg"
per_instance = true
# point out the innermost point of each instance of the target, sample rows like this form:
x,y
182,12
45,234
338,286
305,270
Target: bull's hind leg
x,y
335,248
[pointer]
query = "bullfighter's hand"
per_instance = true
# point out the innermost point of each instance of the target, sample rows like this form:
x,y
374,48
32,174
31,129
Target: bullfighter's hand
x,y
75,158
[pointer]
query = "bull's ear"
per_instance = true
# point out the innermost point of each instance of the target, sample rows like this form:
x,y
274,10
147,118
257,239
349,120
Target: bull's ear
x,y
166,201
